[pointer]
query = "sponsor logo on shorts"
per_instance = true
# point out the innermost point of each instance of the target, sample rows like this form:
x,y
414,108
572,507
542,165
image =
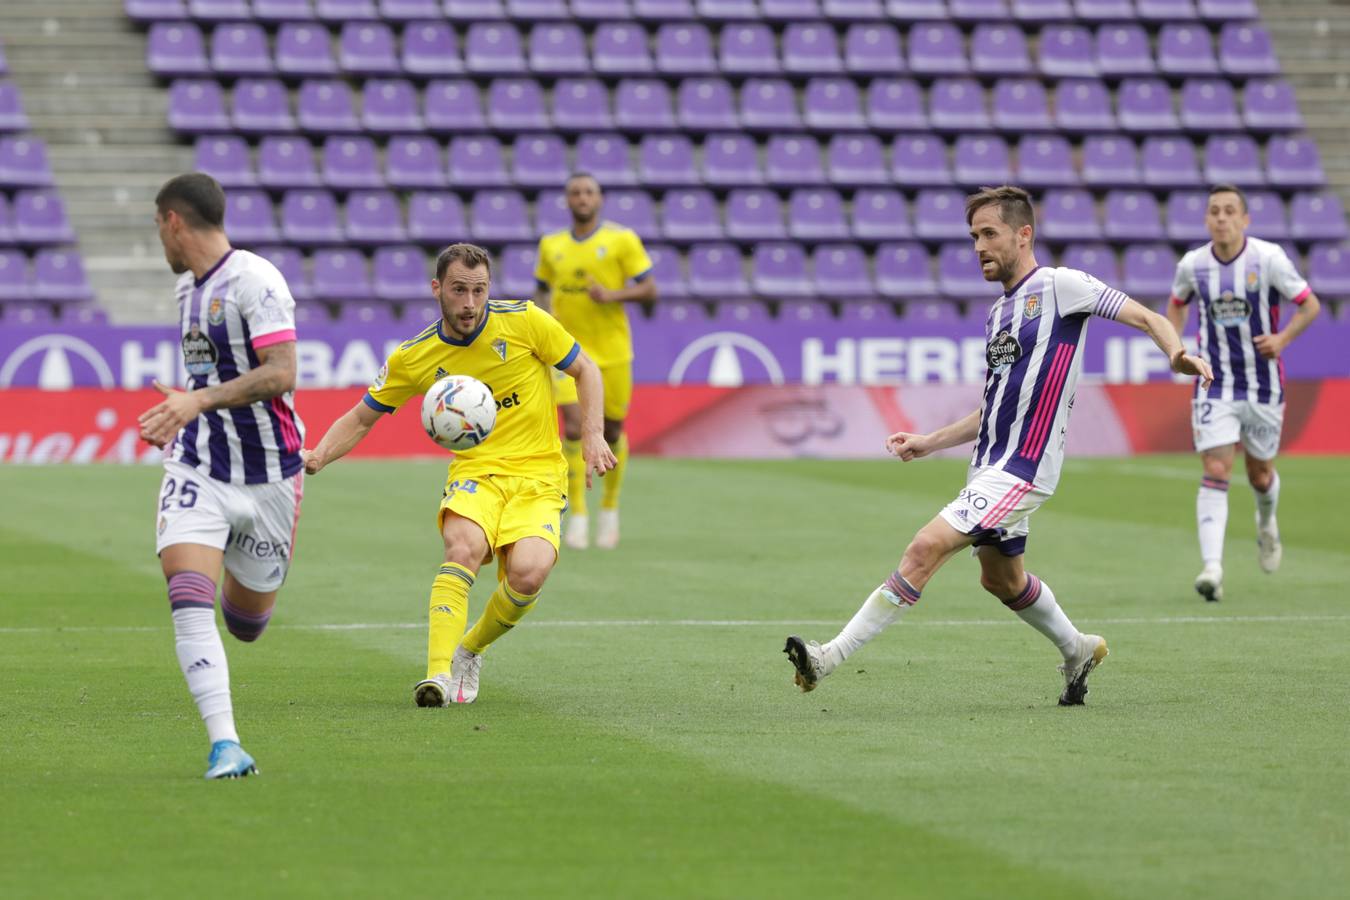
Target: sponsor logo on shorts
x,y
251,546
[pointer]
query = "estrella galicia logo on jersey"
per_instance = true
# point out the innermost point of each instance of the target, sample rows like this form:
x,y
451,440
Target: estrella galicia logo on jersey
x,y
1003,351
215,311
1032,309
1229,310
499,345
199,351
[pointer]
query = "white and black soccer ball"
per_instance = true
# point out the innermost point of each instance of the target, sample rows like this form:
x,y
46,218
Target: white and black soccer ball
x,y
458,412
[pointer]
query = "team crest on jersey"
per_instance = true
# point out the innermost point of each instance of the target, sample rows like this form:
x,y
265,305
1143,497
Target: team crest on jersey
x,y
600,252
215,312
199,351
1253,278
1032,309
499,345
1229,310
1003,351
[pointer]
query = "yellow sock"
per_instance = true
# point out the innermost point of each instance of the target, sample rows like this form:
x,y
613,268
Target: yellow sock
x,y
613,480
505,608
576,478
448,614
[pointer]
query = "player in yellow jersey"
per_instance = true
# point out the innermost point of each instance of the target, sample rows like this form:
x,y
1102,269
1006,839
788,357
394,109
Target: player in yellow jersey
x,y
505,496
585,271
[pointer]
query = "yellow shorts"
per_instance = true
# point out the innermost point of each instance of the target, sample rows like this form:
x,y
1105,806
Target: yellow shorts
x,y
506,507
618,381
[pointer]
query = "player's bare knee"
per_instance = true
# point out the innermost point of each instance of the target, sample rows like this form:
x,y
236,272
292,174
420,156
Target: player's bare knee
x,y
613,431
571,416
1217,466
1260,473
527,579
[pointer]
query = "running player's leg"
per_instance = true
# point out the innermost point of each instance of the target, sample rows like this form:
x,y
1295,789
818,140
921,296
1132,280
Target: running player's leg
x,y
1216,428
466,548
618,380
1261,427
577,534
264,523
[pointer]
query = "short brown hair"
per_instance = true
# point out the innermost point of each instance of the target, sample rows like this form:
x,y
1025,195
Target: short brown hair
x,y
470,255
1226,188
197,197
1014,205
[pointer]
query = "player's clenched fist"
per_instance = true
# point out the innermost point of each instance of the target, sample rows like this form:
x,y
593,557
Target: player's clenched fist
x,y
908,446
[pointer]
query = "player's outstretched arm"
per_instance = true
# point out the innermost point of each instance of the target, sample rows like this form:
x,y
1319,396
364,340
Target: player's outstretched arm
x,y
273,376
591,397
1176,314
1164,334
1272,345
341,437
643,291
916,446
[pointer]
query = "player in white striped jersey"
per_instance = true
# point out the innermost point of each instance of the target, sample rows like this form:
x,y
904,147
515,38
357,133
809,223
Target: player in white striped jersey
x,y
233,475
1034,347
1240,282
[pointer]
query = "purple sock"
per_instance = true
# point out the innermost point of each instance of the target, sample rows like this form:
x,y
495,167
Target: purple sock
x,y
189,589
245,626
1030,594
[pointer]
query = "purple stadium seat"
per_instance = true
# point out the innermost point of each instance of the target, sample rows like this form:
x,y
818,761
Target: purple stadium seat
x,y
1245,49
747,50
643,104
240,49
436,217
1110,161
453,105
632,209
873,49
1147,272
1329,270
537,10
430,49
937,48
477,161
1083,105
1045,161
340,274
277,12
840,270
500,217
1184,217
1209,105
1316,217
85,313
1227,10
23,162
730,160
769,104
895,105
833,104
15,282
977,11
1123,50
779,270
1067,51
981,159
581,104
409,10
959,275
1169,163
474,10
793,160
539,161
738,313
810,49
1041,11
1098,260
249,218
261,106
399,274
226,159
853,10
957,104
620,48
939,215
6,221
1020,105
368,48
59,277
551,212
856,160
666,160
514,272
790,10
1104,11
1145,105
374,217
816,215
336,11
920,161
1185,50
1067,214
413,163
1161,11
1132,216
389,106
691,216
999,49
351,163
291,264
668,272
309,218
881,215
606,156
684,48
369,313
1268,104
558,49
903,272
716,272
304,49
805,311
151,11
726,10
754,214
286,162
601,10
1234,159
1267,215
29,314
706,104
516,104
493,48
324,106
12,116
916,10
1293,162
176,48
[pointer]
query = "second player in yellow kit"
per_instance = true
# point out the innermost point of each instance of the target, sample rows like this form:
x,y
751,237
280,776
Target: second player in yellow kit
x,y
588,272
505,496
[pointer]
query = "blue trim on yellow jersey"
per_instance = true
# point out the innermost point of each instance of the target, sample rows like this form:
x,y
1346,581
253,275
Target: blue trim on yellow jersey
x,y
506,306
375,404
468,340
643,274
570,358
427,333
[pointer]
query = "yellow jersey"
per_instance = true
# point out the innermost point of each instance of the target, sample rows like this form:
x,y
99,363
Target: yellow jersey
x,y
510,353
612,255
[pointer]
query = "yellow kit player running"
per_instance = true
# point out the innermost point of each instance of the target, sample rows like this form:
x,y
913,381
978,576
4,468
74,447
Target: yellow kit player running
x,y
587,269
504,496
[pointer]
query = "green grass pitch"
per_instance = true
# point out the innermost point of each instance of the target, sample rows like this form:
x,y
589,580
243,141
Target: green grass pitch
x,y
638,736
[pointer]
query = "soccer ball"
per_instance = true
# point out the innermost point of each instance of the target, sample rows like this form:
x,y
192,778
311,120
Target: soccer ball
x,y
458,412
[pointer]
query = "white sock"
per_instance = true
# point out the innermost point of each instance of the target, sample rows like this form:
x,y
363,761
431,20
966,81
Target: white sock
x,y
1037,607
201,656
1211,516
1266,503
882,608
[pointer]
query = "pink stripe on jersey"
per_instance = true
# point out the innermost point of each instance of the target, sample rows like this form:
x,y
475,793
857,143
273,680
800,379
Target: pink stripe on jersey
x,y
289,433
1004,506
1049,403
276,337
1303,295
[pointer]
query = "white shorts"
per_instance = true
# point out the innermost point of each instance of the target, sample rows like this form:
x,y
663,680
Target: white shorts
x,y
254,524
995,508
1221,423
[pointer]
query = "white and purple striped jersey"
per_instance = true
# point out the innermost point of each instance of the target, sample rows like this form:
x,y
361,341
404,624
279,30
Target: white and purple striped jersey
x,y
239,307
1239,299
1034,345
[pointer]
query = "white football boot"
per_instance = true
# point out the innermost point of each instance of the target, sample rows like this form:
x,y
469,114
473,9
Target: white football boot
x,y
1209,583
1269,550
434,691
607,529
464,669
577,532
810,660
1091,651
